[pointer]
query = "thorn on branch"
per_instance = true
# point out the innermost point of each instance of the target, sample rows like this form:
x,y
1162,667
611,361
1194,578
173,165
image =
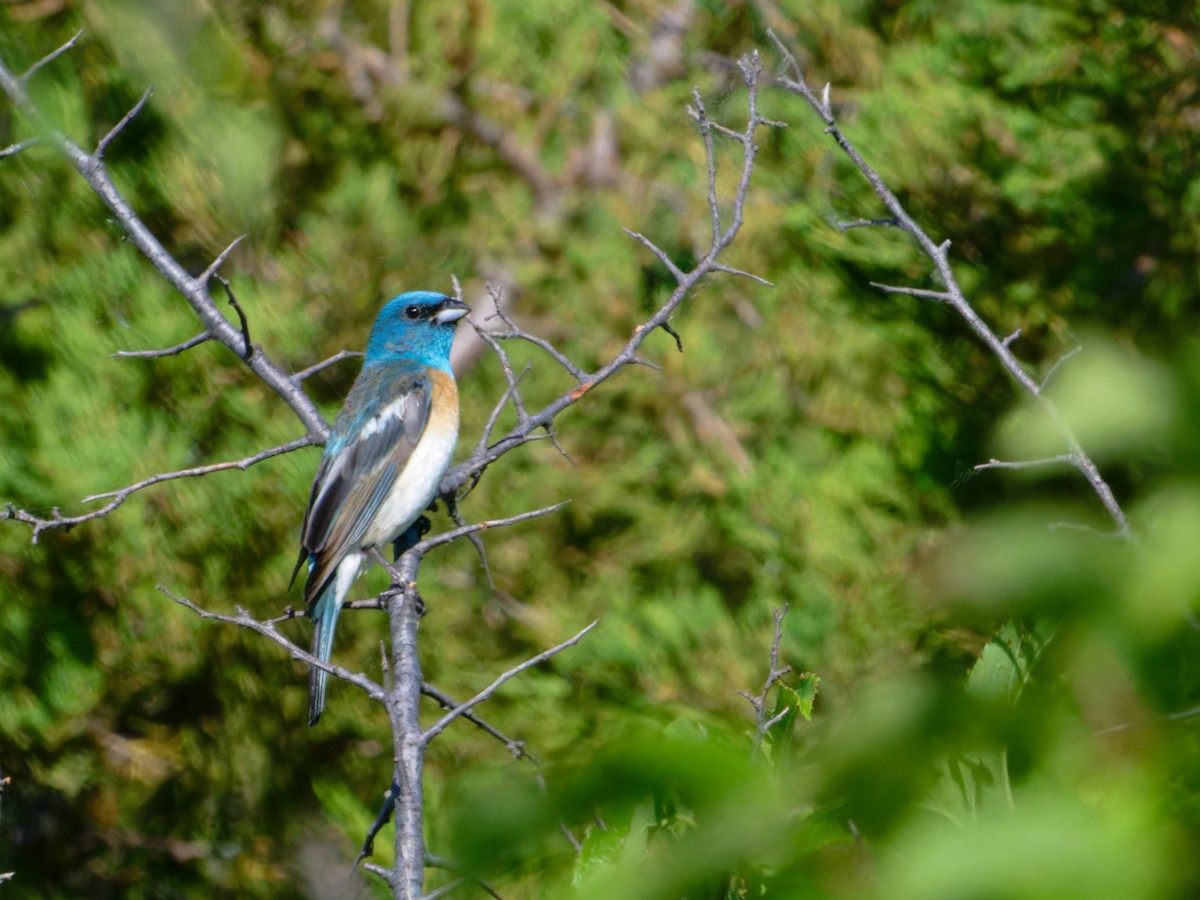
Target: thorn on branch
x,y
120,126
570,836
1008,340
247,347
675,271
1058,363
553,435
50,57
666,326
216,264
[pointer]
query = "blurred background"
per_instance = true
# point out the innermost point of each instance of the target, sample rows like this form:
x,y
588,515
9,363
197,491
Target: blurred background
x,y
1004,706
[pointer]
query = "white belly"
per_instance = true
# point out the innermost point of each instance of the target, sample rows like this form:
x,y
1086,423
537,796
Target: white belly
x,y
416,487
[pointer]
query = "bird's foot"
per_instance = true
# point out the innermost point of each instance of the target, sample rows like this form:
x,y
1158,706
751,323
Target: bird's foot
x,y
397,591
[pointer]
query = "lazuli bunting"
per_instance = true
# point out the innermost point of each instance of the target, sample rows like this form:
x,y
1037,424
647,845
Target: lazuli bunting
x,y
390,446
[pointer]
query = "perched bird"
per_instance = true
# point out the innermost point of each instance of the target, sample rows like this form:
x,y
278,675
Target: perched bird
x,y
390,446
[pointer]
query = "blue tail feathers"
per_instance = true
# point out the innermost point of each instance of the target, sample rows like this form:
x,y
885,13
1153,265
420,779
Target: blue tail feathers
x,y
324,615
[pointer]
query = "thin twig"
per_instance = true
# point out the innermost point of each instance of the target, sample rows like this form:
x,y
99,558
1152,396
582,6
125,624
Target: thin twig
x,y
1025,463
440,725
326,363
169,351
268,630
13,149
39,524
867,223
453,535
911,291
120,495
515,747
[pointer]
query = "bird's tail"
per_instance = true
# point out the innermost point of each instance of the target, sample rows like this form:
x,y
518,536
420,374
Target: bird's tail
x,y
324,616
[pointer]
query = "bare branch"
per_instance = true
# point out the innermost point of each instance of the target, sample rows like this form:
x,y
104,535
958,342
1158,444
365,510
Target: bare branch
x,y
268,630
98,153
1088,529
514,332
515,747
723,235
510,392
440,726
116,498
774,675
91,167
119,496
700,114
169,351
953,295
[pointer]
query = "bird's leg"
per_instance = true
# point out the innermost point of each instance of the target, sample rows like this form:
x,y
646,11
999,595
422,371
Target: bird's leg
x,y
409,539
385,813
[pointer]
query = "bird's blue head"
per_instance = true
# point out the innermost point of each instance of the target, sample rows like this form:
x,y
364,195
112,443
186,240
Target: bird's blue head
x,y
416,326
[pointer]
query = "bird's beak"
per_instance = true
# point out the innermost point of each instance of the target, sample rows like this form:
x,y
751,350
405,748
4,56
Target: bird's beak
x,y
451,310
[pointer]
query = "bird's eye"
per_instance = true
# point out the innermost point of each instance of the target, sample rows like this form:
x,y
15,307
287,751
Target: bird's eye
x,y
413,312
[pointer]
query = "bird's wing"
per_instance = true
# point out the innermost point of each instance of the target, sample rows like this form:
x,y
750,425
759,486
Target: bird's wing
x,y
385,415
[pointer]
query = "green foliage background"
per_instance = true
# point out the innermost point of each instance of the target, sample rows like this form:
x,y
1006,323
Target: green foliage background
x,y
1004,709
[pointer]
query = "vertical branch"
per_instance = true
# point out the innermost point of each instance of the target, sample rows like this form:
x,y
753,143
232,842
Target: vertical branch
x,y
403,705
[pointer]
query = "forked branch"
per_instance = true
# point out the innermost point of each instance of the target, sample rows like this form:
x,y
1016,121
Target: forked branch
x,y
953,296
